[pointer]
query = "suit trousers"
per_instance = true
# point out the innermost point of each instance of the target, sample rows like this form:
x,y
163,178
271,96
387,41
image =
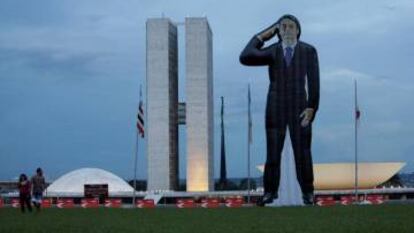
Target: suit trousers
x,y
286,117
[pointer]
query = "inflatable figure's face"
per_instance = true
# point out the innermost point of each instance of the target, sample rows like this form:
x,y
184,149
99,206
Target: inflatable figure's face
x,y
288,31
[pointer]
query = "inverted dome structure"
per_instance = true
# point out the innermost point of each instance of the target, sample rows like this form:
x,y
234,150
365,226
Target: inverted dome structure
x,y
331,176
72,183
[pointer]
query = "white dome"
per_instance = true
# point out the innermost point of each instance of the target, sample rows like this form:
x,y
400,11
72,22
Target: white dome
x,y
72,183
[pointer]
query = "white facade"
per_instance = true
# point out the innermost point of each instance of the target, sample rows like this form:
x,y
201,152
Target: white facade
x,y
72,183
199,102
162,103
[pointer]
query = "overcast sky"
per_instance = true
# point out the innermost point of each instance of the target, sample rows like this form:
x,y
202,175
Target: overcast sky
x,y
70,73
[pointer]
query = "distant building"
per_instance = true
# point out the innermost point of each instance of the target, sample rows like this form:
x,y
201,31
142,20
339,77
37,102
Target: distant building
x,y
200,108
164,113
72,184
8,186
335,176
162,104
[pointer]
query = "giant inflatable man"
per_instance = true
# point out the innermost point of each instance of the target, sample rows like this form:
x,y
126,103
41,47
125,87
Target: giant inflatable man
x,y
292,101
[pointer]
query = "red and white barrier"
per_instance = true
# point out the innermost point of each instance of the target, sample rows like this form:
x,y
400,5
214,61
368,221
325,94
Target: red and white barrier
x,y
210,203
147,203
347,200
185,203
234,202
371,199
374,199
325,201
113,203
65,203
90,203
46,203
15,203
1,203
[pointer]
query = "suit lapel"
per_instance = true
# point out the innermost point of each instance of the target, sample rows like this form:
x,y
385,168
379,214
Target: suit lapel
x,y
296,55
280,55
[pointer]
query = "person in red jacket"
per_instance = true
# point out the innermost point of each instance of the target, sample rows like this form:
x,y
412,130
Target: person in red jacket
x,y
24,193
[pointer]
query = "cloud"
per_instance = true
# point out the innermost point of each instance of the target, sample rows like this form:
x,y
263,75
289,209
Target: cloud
x,y
76,68
383,16
47,63
385,124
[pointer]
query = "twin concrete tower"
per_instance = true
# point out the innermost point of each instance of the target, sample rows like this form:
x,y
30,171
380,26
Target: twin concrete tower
x,y
165,113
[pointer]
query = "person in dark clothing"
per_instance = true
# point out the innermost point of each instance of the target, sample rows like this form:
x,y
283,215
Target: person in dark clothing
x,y
38,186
24,193
292,101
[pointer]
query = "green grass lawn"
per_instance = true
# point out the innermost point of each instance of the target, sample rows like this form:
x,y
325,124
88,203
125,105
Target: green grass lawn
x,y
337,219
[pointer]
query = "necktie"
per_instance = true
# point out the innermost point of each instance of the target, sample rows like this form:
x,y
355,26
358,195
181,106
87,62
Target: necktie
x,y
288,55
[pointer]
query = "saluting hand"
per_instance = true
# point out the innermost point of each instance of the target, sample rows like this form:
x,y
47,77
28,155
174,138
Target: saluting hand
x,y
268,33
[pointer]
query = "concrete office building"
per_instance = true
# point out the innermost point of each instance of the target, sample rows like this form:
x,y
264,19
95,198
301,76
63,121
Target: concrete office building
x,y
162,105
199,102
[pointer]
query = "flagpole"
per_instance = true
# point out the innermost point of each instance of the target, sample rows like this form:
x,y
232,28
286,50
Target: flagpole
x,y
138,131
135,168
356,141
248,145
223,173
